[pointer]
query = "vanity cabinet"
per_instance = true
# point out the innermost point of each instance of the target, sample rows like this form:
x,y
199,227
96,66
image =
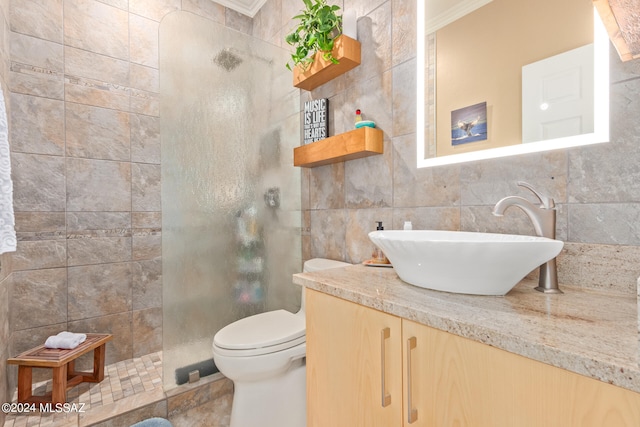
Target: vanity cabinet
x,y
357,356
347,345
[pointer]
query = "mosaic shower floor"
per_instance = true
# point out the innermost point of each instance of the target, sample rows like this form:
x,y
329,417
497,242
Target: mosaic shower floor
x,y
131,391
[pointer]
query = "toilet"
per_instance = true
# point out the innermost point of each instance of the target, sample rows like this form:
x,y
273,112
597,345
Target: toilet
x,y
264,356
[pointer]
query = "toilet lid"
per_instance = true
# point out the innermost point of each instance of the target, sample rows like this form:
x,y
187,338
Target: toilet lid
x,y
261,330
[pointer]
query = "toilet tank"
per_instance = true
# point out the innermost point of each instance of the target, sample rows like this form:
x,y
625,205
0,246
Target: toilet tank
x,y
317,264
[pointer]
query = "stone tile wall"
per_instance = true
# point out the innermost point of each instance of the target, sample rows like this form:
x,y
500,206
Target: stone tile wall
x,y
5,259
597,188
84,87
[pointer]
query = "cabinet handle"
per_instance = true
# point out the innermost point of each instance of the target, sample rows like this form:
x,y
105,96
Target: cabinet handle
x,y
386,398
412,414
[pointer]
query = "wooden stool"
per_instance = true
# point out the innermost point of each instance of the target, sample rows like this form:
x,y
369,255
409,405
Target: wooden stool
x,y
63,364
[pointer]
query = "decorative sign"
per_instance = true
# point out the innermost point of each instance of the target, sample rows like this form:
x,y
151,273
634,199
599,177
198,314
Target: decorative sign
x,y
316,120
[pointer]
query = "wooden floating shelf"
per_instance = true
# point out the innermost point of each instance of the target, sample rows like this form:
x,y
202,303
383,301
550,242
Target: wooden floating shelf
x,y
354,144
346,50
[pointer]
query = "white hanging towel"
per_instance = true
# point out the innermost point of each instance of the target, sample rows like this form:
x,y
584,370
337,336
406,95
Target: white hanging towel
x,y
7,221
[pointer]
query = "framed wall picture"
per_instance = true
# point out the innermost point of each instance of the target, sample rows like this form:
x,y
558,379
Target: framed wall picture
x,y
469,124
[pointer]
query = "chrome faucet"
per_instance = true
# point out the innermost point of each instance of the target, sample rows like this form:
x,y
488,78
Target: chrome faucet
x,y
543,218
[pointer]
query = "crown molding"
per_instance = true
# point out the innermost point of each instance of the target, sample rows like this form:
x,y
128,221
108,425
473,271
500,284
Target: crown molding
x,y
246,7
447,11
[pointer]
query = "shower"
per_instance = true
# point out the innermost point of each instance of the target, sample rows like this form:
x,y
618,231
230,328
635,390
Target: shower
x,y
231,216
227,60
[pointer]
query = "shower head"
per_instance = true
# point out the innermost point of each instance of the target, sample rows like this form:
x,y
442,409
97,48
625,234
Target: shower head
x,y
227,60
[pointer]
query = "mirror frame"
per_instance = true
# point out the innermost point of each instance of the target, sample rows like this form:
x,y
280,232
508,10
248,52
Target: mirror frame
x,y
601,104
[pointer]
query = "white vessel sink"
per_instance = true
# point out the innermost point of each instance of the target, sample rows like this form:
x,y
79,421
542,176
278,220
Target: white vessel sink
x,y
464,262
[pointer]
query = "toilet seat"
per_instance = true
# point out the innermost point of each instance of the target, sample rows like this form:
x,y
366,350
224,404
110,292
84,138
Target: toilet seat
x,y
261,334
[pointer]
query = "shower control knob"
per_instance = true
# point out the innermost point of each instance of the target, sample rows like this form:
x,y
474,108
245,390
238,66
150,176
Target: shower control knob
x,y
272,197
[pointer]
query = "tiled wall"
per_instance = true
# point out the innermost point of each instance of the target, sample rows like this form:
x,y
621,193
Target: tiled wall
x,y
5,259
86,168
597,188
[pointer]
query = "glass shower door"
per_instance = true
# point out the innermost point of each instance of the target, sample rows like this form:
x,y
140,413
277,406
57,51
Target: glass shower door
x,y
230,195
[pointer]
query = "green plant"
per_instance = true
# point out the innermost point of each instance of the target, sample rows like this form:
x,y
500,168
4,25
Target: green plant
x,y
318,27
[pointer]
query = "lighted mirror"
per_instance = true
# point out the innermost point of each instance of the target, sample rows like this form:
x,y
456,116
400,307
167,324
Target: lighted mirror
x,y
497,78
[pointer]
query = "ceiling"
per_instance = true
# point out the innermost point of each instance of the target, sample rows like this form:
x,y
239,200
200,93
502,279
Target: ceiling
x,y
439,12
246,7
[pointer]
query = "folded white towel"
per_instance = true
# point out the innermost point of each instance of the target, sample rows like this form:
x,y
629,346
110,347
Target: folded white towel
x,y
65,340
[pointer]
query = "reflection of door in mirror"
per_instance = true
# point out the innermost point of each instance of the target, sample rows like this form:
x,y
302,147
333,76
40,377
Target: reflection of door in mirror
x,y
479,58
557,96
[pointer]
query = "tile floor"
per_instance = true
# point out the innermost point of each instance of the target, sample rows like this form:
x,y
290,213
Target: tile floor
x,y
132,390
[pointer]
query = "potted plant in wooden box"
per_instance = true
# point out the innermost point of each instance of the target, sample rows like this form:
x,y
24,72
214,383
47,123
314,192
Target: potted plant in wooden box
x,y
320,51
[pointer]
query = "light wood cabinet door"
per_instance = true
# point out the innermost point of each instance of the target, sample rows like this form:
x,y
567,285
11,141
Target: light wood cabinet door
x,y
347,345
460,382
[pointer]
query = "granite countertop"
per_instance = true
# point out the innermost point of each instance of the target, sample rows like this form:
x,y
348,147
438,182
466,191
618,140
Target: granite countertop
x,y
589,333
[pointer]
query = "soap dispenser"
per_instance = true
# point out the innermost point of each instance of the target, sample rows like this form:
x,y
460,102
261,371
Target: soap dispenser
x,y
378,256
